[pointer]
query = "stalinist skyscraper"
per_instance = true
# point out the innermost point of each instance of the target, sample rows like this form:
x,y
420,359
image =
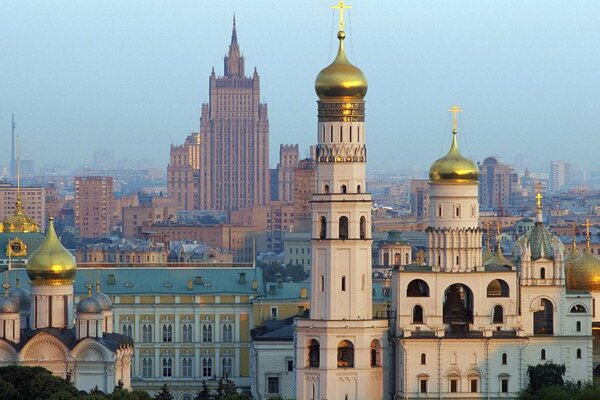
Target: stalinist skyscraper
x,y
339,348
234,135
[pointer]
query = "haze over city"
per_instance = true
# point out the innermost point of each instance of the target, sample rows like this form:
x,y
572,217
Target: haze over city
x,y
131,76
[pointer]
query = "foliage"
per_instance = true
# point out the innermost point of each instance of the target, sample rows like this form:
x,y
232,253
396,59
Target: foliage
x,y
547,374
8,391
567,391
204,393
164,394
270,269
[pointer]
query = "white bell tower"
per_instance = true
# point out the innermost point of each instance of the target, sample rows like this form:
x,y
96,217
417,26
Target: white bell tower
x,y
340,348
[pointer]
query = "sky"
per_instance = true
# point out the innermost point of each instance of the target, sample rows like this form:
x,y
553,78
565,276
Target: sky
x,y
130,76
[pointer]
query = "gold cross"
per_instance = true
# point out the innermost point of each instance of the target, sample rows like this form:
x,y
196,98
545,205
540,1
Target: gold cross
x,y
341,6
538,196
454,110
587,234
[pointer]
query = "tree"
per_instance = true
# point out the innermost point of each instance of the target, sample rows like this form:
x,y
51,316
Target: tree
x,y
547,374
204,393
8,391
164,394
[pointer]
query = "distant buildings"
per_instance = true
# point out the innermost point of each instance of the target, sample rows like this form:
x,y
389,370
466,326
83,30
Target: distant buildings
x,y
419,198
32,203
183,173
559,175
288,161
94,205
234,137
498,185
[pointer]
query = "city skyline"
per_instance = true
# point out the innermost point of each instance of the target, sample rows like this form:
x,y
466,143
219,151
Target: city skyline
x,y
117,75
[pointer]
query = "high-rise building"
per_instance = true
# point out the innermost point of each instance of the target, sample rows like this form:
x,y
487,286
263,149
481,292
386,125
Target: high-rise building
x,y
339,348
288,160
234,132
559,175
94,205
305,184
498,185
183,173
419,198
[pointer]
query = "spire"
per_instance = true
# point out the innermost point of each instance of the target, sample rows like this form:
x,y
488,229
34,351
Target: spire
x,y
499,252
587,235
234,33
539,197
574,244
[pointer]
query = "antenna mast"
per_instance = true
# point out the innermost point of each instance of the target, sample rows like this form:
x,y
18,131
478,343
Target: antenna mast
x,y
12,159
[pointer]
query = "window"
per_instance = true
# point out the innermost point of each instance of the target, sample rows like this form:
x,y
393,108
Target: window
x,y
504,359
273,312
423,359
207,330
322,283
578,326
314,354
543,354
439,211
323,230
147,333
417,315
272,385
343,189
167,365
498,317
504,385
343,283
453,385
363,228
326,188
375,353
343,228
127,330
227,333
417,288
345,354
146,367
358,189
578,308
290,365
423,385
186,330
542,273
227,367
498,288
187,367
207,367
578,353
473,384
543,319
167,333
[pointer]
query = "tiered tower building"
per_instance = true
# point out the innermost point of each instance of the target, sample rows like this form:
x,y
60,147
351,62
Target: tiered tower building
x,y
339,349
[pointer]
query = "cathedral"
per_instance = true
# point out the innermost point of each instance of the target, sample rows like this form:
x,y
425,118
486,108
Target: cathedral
x,y
44,328
461,324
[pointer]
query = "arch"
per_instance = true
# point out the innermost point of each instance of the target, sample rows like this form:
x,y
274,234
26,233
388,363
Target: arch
x,y
314,353
345,354
504,358
343,189
498,315
543,319
423,359
452,372
323,228
542,273
543,354
417,288
326,189
363,227
358,189
578,308
8,354
343,227
89,350
458,307
375,353
186,396
417,314
498,288
43,348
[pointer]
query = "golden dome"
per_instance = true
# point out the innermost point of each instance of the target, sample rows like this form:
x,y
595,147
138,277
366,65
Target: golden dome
x,y
51,263
583,272
341,79
453,167
19,222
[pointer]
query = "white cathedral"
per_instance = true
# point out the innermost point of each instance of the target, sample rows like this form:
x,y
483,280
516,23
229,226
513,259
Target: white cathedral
x,y
464,325
44,328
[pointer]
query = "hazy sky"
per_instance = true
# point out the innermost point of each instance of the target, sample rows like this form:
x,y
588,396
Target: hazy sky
x,y
131,75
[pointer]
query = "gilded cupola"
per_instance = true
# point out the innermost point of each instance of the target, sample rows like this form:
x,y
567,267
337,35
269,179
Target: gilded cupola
x,y
453,167
341,80
583,269
51,263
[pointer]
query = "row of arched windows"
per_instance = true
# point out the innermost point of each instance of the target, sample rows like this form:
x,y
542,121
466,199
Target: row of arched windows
x,y
420,288
345,354
497,315
343,232
340,133
343,189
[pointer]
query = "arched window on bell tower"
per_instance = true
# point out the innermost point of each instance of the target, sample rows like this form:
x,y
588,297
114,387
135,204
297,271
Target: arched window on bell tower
x,y
363,228
323,228
343,228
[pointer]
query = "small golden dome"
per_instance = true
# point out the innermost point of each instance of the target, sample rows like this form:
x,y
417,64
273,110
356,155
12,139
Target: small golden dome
x,y
19,222
453,167
51,263
341,79
583,272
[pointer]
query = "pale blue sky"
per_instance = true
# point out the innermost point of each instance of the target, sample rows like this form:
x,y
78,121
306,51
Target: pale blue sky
x,y
131,75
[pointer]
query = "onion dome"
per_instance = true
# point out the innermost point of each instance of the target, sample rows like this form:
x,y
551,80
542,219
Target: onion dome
x,y
102,299
453,167
19,221
341,79
8,305
89,305
51,263
21,296
395,237
583,272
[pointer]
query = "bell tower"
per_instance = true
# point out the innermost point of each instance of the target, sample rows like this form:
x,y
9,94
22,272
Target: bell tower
x,y
339,349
